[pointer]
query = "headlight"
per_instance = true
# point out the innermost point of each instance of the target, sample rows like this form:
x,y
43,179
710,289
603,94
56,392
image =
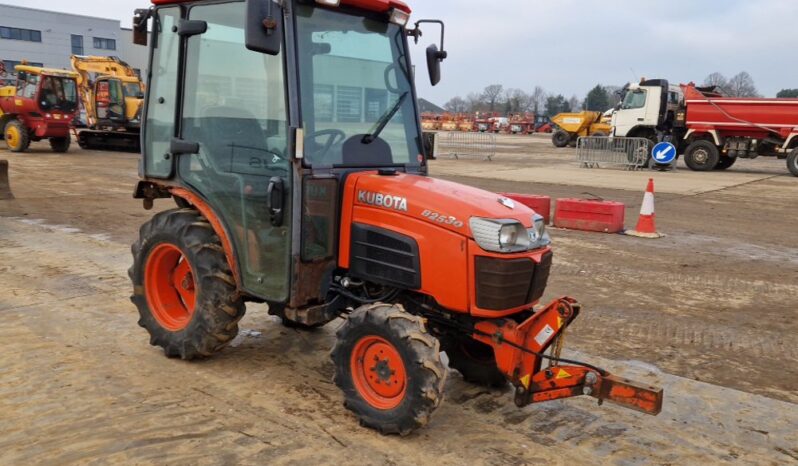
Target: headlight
x,y
499,235
505,235
538,236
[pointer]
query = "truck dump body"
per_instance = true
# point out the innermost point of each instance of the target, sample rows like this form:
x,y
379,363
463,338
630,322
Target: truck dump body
x,y
738,116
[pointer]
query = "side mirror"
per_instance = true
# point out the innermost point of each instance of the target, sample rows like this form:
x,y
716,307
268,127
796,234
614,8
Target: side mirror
x,y
434,59
140,34
264,26
435,55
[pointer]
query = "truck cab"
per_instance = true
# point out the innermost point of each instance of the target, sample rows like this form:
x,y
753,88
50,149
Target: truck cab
x,y
647,110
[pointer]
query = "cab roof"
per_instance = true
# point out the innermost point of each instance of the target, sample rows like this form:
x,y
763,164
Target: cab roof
x,y
46,71
380,6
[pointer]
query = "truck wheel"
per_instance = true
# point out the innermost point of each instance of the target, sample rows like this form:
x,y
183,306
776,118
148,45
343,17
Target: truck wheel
x,y
702,156
725,163
599,134
792,162
560,138
474,360
389,369
16,136
183,286
60,145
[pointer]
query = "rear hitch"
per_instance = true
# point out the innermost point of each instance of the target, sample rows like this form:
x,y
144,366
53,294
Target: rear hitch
x,y
519,351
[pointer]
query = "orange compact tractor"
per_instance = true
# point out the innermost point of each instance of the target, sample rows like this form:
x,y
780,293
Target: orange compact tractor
x,y
289,136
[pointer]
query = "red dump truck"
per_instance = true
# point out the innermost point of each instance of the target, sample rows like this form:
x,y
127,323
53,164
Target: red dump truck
x,y
710,131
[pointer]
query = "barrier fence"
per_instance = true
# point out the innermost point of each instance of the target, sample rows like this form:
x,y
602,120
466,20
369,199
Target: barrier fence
x,y
629,153
460,144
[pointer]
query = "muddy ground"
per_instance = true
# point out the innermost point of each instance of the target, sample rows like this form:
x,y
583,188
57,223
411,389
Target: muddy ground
x,y
709,312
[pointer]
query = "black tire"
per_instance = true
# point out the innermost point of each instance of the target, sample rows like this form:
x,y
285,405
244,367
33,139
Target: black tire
x,y
702,156
724,163
24,137
599,134
560,138
792,162
218,307
420,356
474,360
60,145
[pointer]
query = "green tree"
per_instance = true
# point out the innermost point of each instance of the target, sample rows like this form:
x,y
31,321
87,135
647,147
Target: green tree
x,y
557,104
598,100
787,94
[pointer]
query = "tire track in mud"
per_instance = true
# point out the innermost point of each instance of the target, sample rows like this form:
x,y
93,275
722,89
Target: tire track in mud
x,y
617,325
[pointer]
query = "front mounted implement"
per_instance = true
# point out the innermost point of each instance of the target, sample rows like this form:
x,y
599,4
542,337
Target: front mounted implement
x,y
520,350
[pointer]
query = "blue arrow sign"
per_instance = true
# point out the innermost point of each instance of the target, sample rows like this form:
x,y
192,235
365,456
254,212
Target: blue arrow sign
x,y
664,153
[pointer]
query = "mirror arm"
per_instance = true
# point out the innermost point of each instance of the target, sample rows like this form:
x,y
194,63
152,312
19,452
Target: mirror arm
x,y
416,33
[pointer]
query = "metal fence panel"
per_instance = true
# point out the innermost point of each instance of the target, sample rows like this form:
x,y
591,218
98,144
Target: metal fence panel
x,y
629,153
460,144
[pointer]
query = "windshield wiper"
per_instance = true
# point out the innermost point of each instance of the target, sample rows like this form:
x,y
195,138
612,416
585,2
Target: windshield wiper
x,y
383,121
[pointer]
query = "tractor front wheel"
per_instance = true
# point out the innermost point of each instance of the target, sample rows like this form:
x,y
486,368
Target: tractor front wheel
x,y
16,136
60,145
183,286
389,369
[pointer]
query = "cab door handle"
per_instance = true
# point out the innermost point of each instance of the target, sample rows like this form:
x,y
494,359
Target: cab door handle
x,y
276,197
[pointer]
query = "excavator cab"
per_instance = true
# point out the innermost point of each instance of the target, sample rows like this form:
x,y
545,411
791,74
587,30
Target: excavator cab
x,y
288,134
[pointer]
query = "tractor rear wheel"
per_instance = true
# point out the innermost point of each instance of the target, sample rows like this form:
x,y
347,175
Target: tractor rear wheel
x,y
16,136
389,369
560,138
474,360
702,156
60,145
792,162
183,286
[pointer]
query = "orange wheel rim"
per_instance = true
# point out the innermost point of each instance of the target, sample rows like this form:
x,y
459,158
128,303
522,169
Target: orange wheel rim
x,y
169,287
378,372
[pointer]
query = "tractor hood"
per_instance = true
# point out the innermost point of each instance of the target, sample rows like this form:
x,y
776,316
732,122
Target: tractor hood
x,y
450,205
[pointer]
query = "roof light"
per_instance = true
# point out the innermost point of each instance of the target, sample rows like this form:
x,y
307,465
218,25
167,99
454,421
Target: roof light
x,y
400,17
329,2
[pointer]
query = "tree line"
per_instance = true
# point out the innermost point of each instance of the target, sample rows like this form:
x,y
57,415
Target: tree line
x,y
497,98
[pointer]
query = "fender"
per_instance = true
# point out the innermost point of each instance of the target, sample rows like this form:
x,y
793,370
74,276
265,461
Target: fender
x,y
217,225
701,131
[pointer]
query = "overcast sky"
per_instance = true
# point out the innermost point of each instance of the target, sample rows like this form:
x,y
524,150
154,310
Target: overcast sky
x,y
569,46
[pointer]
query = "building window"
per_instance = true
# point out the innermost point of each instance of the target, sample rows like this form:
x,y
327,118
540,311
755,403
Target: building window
x,y
349,104
28,35
104,44
11,64
77,44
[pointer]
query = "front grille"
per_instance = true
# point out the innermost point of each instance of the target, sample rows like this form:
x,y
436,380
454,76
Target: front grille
x,y
509,283
385,257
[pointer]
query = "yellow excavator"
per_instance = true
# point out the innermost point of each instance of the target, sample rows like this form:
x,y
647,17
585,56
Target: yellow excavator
x,y
113,96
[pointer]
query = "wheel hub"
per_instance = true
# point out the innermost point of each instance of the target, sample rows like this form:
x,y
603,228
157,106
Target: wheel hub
x,y
12,136
378,372
169,287
701,156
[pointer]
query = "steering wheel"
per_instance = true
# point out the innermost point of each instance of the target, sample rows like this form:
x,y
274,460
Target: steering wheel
x,y
334,136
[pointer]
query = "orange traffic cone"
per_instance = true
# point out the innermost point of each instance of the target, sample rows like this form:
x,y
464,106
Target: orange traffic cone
x,y
646,225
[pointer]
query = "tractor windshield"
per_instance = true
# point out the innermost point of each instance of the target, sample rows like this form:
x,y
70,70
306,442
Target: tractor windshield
x,y
355,84
132,90
58,94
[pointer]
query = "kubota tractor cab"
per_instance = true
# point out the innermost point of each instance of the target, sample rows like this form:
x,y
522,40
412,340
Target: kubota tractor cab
x,y
288,134
40,106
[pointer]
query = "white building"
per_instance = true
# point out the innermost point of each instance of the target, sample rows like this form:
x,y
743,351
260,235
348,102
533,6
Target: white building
x,y
48,38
